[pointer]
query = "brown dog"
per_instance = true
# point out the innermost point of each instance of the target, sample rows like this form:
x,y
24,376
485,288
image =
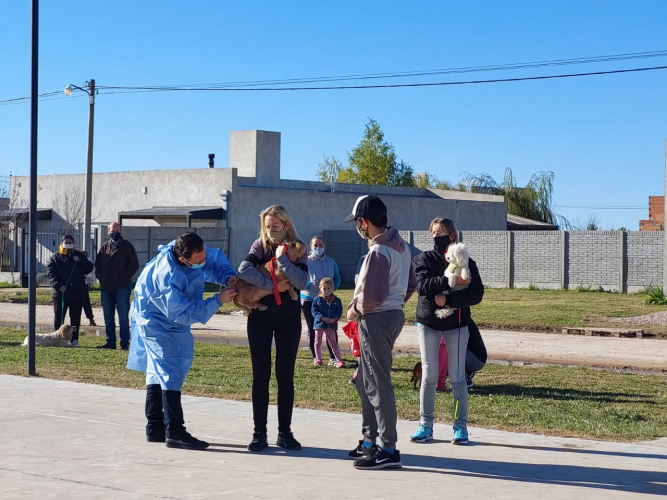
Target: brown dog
x,y
417,375
248,296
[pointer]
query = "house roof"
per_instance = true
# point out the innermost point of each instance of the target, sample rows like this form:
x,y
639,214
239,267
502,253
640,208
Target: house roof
x,y
516,223
207,213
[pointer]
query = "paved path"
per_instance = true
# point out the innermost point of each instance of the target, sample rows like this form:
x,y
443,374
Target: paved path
x,y
63,440
605,352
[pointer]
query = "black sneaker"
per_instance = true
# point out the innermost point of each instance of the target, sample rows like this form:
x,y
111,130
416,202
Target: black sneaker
x,y
106,346
124,348
156,438
286,440
259,442
186,441
360,451
379,459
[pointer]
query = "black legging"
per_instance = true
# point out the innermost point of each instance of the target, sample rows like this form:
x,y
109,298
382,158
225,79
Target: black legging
x,y
263,326
307,308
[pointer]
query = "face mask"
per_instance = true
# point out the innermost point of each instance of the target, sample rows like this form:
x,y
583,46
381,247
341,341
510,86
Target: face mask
x,y
441,243
66,248
277,237
115,237
363,232
318,252
195,266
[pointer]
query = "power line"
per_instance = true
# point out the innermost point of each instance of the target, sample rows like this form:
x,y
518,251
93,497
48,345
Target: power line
x,y
432,72
125,90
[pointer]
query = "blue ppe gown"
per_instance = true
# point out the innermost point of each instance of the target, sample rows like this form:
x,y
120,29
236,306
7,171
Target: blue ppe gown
x,y
168,300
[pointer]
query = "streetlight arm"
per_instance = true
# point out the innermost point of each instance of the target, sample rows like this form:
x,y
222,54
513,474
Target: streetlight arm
x,y
70,87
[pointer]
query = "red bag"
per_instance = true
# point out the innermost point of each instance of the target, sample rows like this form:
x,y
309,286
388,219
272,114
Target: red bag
x,y
351,330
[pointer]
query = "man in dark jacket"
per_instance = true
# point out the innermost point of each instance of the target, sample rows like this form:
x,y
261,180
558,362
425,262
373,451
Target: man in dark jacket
x,y
67,271
115,266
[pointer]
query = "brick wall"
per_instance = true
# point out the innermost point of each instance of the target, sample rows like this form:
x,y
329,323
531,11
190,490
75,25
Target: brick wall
x,y
546,259
643,259
656,215
537,259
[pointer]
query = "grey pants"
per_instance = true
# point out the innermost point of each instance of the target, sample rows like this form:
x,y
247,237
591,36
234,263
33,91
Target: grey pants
x,y
377,334
429,345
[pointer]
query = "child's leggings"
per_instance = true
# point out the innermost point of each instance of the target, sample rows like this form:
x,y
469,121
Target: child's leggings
x,y
333,343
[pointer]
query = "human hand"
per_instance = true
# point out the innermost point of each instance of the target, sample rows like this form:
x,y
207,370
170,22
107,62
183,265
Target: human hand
x,y
281,250
227,295
325,319
62,289
332,321
283,285
231,282
440,299
76,258
351,315
461,282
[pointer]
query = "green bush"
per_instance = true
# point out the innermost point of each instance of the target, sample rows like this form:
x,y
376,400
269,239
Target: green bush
x,y
5,284
655,296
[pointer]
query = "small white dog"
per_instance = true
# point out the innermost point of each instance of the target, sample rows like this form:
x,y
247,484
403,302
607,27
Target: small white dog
x,y
458,256
59,338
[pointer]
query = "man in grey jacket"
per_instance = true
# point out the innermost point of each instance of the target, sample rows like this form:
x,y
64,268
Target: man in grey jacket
x,y
386,281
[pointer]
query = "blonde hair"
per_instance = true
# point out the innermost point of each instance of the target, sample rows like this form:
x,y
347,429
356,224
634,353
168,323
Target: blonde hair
x,y
282,214
449,226
323,282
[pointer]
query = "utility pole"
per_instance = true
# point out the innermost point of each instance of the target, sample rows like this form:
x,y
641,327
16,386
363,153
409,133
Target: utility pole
x,y
32,274
89,169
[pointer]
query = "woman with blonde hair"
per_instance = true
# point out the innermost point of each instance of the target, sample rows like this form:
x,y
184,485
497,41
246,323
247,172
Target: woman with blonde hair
x,y
431,287
281,321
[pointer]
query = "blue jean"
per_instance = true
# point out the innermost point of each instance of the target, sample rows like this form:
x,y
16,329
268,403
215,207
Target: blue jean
x,y
429,346
112,300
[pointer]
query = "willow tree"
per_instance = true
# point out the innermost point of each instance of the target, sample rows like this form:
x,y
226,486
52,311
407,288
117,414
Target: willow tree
x,y
534,201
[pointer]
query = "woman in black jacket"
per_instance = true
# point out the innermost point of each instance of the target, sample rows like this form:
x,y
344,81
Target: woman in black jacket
x,y
67,271
434,292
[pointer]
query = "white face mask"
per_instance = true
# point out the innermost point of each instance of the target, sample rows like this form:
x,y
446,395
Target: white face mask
x,y
68,246
318,251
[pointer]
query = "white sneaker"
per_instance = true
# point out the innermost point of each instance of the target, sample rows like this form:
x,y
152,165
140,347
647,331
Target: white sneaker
x,y
74,343
332,362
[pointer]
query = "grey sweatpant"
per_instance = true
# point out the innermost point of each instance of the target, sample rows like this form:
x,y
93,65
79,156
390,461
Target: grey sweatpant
x,y
377,334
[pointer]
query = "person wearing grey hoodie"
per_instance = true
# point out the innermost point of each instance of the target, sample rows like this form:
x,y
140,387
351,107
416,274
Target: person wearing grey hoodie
x,y
386,281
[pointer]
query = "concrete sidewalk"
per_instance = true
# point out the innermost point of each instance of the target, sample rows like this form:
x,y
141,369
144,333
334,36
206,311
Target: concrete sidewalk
x,y
504,345
76,441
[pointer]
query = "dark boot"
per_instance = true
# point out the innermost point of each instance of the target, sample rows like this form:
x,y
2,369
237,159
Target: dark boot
x,y
259,442
177,436
155,428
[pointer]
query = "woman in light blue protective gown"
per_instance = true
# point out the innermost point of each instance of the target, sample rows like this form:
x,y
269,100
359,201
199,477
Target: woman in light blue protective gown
x,y
168,300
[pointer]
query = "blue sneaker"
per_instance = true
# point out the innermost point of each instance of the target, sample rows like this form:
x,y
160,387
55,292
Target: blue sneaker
x,y
422,435
460,435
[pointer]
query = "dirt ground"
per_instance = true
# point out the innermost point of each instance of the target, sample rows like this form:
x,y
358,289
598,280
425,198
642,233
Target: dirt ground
x,y
502,345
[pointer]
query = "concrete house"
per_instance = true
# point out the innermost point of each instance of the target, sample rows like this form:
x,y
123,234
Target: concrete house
x,y
224,203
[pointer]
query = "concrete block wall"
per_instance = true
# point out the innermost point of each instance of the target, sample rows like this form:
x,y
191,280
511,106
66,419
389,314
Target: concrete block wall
x,y
644,259
489,250
537,259
594,258
613,260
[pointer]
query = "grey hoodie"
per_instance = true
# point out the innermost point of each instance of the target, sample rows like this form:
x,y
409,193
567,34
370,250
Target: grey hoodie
x,y
386,279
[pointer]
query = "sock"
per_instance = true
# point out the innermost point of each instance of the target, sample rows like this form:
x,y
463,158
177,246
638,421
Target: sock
x,y
367,445
389,450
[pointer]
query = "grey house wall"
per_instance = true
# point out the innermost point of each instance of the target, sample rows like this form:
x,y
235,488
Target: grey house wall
x,y
614,260
317,209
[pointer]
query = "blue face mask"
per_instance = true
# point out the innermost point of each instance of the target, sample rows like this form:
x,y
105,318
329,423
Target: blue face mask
x,y
318,251
195,266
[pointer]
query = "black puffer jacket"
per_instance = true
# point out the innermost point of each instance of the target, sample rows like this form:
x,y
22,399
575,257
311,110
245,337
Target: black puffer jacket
x,y
430,270
64,270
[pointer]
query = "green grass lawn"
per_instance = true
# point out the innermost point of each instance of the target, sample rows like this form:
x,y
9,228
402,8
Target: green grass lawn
x,y
501,308
576,402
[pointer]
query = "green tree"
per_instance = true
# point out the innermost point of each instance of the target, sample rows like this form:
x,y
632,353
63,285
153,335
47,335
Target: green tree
x,y
372,161
329,166
534,201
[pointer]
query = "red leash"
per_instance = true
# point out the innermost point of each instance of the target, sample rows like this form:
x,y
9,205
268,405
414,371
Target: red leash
x,y
276,293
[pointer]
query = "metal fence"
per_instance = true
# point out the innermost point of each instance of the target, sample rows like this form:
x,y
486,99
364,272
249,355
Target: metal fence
x,y
48,242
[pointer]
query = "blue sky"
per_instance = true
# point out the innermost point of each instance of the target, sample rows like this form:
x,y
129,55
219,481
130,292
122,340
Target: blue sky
x,y
604,137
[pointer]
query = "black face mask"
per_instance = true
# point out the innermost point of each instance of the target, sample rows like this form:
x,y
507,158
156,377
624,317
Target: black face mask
x,y
115,237
441,243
